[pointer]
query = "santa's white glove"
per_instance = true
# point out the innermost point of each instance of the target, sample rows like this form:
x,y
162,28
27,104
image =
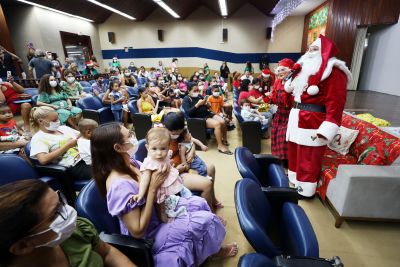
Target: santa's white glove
x,y
273,108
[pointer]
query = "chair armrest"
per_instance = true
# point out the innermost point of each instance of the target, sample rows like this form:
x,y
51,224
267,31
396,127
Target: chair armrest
x,y
197,127
137,250
101,109
266,159
295,261
251,135
51,168
281,194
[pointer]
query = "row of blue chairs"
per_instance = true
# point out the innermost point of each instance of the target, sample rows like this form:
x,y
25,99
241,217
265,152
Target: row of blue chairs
x,y
270,218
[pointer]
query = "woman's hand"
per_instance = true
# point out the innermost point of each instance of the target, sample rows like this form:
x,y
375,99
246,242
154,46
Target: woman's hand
x,y
181,167
159,176
71,143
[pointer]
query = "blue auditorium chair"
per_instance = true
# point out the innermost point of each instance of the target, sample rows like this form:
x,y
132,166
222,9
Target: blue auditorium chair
x,y
141,122
266,170
255,260
133,92
85,84
141,80
31,91
92,81
60,173
92,205
288,224
93,108
14,168
88,89
252,131
198,127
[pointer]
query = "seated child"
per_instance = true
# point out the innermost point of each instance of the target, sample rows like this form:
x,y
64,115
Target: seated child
x,y
250,114
185,145
11,138
218,106
157,144
86,127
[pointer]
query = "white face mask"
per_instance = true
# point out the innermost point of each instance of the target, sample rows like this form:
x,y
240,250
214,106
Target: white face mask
x,y
70,79
127,74
179,78
177,91
53,126
174,136
216,94
64,226
53,83
132,151
195,94
260,89
201,87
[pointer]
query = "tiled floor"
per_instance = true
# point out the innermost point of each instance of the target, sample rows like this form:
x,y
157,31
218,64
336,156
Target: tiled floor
x,y
359,244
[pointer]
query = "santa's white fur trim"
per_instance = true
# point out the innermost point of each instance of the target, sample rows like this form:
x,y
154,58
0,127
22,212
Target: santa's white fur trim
x,y
312,90
334,62
292,177
288,87
301,136
265,75
306,189
328,129
317,42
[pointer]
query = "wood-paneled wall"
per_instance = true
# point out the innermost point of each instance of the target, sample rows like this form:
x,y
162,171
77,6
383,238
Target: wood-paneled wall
x,y
5,39
346,15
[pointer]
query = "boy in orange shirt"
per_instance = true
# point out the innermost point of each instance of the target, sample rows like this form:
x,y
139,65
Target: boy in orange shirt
x,y
218,106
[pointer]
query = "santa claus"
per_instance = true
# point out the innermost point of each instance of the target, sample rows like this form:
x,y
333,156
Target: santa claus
x,y
319,91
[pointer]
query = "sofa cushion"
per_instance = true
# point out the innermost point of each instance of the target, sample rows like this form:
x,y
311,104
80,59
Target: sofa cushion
x,y
330,165
343,140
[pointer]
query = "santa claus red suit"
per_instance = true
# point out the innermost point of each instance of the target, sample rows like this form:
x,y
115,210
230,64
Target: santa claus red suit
x,y
319,91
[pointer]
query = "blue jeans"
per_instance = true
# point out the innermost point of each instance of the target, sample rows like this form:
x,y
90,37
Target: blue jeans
x,y
199,165
117,115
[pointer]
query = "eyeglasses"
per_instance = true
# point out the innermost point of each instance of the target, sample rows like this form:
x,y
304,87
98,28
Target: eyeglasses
x,y
61,211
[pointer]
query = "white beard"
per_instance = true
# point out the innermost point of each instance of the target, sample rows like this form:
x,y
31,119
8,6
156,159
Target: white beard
x,y
311,63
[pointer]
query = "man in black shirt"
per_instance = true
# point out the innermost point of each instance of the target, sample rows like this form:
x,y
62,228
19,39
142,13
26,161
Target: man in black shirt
x,y
7,64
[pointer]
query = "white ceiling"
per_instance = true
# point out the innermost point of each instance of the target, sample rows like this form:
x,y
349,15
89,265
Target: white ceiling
x,y
305,7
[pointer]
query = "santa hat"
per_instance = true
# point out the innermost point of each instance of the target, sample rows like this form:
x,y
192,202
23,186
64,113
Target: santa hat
x,y
328,50
89,63
285,64
266,73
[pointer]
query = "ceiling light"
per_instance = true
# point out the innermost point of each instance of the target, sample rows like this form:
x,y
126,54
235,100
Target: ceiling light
x,y
55,10
112,9
222,7
167,8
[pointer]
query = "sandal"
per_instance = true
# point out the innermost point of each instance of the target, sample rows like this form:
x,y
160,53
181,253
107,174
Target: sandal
x,y
225,143
225,152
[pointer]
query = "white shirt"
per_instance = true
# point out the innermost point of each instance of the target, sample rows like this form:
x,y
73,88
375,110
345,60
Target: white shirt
x,y
45,143
84,150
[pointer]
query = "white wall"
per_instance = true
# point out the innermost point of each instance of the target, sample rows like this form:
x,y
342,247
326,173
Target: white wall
x,y
380,68
203,28
42,28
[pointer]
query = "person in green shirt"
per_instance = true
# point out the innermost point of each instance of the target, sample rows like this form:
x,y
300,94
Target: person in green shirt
x,y
71,87
38,228
51,95
207,75
249,67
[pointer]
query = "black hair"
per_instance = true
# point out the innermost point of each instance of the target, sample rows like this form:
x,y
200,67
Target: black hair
x,y
96,76
141,89
174,121
215,86
256,80
244,86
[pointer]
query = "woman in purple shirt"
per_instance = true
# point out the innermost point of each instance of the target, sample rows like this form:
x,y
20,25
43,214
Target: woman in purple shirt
x,y
184,241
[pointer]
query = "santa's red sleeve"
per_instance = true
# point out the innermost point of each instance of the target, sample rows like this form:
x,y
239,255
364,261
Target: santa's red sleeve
x,y
335,99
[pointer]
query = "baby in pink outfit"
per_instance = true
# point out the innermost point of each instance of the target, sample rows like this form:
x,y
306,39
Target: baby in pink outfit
x,y
157,144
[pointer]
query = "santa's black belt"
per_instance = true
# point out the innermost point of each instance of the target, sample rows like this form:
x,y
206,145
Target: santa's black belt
x,y
309,107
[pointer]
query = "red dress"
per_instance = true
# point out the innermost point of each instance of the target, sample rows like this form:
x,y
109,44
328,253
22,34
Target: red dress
x,y
11,96
284,101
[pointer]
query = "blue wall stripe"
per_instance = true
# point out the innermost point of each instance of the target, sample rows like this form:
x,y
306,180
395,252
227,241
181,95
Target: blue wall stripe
x,y
196,52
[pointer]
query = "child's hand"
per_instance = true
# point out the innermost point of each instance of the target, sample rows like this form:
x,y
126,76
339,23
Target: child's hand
x,y
204,148
135,198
